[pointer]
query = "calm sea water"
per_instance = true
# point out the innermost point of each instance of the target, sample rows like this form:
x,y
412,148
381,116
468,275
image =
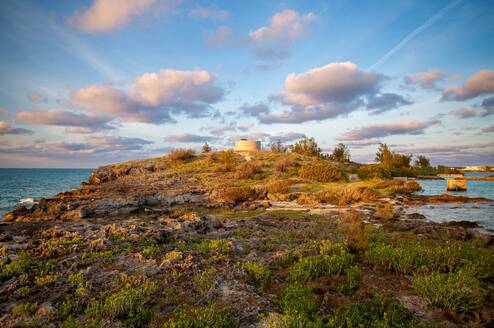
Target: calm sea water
x,y
482,213
24,184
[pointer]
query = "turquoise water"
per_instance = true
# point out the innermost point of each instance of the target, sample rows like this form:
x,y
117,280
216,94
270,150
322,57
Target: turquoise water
x,y
24,184
482,213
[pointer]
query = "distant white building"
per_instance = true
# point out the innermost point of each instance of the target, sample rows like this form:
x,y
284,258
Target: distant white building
x,y
473,168
247,145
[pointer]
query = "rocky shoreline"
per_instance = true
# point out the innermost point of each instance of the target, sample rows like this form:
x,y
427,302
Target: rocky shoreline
x,y
155,242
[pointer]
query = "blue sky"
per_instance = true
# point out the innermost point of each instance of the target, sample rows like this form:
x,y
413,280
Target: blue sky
x,y
85,83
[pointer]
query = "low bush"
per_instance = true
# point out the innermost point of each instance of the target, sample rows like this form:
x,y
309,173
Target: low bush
x,y
457,292
221,246
409,256
351,280
321,171
130,304
373,171
258,274
23,309
375,312
351,195
238,194
228,159
16,267
307,199
283,165
354,230
281,186
299,300
205,317
406,187
46,280
247,170
181,155
384,212
312,267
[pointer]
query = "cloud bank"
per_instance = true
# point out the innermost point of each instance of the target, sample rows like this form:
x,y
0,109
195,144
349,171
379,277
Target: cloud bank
x,y
388,129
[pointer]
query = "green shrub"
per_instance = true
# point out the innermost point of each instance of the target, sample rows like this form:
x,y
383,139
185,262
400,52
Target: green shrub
x,y
458,292
321,171
105,256
221,246
24,291
351,280
312,267
24,308
298,299
129,304
16,267
376,312
258,274
412,256
373,171
71,305
276,320
149,251
46,280
206,317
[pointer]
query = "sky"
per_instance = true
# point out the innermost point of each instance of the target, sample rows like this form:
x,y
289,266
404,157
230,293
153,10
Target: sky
x,y
88,83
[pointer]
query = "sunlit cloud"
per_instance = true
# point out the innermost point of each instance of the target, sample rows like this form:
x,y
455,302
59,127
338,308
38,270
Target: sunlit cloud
x,y
480,83
427,80
5,129
407,127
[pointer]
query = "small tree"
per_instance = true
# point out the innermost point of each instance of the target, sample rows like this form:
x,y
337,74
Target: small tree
x,y
341,153
206,148
384,154
278,147
422,162
306,146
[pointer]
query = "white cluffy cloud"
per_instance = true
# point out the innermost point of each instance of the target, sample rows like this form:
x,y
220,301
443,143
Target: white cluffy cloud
x,y
329,91
153,97
272,42
108,15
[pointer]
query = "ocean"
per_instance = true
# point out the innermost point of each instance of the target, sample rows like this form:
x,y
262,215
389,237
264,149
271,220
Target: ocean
x,y
26,185
482,213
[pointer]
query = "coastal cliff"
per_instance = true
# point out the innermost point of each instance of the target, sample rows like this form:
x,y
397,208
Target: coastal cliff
x,y
221,239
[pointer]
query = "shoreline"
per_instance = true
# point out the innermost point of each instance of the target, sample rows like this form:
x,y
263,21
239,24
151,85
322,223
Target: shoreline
x,y
164,233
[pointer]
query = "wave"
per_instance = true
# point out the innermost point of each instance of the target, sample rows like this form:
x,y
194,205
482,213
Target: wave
x,y
28,202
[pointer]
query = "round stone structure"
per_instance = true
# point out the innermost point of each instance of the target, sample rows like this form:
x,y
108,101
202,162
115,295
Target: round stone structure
x,y
247,145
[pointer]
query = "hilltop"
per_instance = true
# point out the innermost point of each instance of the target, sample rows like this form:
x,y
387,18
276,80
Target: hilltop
x,y
222,239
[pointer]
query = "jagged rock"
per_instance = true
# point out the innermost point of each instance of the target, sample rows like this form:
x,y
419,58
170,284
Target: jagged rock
x,y
415,216
464,224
